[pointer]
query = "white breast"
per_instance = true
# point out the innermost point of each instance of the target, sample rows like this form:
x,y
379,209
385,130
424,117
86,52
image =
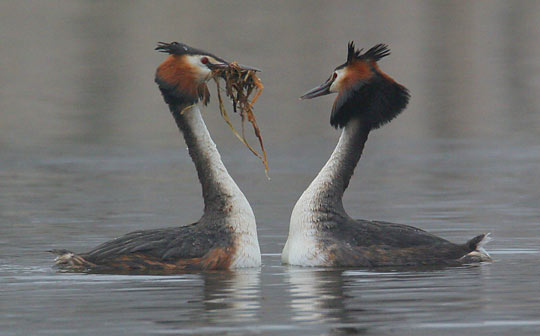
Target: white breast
x,y
248,253
302,246
242,221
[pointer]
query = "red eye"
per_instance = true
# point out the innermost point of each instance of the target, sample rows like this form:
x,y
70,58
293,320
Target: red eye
x,y
204,60
334,76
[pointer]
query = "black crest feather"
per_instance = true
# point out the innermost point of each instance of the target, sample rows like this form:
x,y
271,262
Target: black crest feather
x,y
177,48
376,100
375,53
352,54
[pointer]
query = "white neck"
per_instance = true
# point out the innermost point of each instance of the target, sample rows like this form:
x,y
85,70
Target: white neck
x,y
325,194
322,202
222,196
224,202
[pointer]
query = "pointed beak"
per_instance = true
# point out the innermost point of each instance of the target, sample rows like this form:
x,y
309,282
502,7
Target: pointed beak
x,y
321,90
217,66
247,67
224,64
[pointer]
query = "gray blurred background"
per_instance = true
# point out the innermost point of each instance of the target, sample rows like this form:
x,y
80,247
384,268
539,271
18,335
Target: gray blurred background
x,y
89,151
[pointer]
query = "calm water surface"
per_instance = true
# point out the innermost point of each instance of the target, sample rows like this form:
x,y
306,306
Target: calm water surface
x,y
89,152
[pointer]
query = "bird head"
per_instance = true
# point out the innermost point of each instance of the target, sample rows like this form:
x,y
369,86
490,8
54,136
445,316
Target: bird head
x,y
183,75
364,91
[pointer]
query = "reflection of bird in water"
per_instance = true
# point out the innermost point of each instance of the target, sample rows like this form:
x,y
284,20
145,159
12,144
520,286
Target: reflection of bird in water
x,y
232,296
321,233
318,295
211,299
226,235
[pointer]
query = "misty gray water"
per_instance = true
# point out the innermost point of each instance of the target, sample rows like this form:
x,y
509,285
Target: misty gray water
x,y
89,151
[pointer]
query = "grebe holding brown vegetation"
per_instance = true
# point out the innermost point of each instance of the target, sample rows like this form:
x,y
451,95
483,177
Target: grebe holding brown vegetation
x,y
226,235
321,233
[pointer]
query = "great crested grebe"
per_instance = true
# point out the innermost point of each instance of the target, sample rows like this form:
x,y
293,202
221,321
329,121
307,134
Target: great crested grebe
x,y
226,235
321,233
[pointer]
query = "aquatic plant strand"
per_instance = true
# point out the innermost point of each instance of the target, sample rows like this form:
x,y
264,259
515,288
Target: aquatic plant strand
x,y
239,85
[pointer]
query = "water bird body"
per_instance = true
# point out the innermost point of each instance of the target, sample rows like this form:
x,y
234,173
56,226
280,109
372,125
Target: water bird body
x,y
321,233
226,235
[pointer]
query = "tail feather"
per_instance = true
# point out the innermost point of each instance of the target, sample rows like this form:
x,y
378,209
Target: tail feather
x,y
68,260
480,247
477,251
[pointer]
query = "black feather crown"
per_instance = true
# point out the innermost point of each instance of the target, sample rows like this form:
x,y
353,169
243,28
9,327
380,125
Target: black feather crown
x,y
374,53
177,48
173,48
376,101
